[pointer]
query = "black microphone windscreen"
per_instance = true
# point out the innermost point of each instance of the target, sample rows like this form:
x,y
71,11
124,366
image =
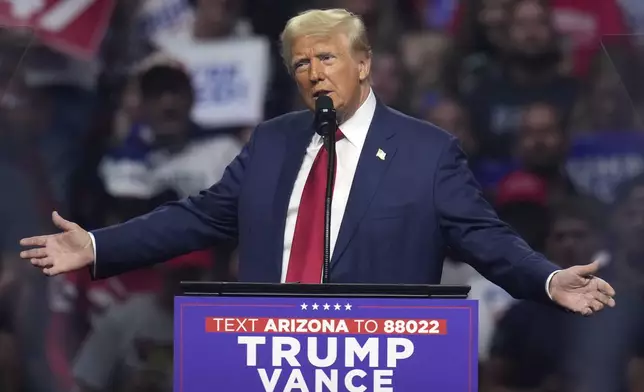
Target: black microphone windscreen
x,y
323,102
325,116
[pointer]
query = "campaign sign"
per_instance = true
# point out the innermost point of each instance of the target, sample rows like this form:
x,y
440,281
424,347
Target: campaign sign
x,y
271,344
599,161
230,78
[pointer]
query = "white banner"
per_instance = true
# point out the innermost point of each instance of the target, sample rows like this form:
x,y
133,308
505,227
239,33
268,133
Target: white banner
x,y
230,78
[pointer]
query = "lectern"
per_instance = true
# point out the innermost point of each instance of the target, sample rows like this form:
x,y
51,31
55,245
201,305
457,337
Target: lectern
x,y
246,337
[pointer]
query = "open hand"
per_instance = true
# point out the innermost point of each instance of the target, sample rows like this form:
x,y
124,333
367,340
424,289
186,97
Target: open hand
x,y
579,290
59,253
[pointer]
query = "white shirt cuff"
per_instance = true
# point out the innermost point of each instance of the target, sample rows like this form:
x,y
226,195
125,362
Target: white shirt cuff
x,y
548,283
91,236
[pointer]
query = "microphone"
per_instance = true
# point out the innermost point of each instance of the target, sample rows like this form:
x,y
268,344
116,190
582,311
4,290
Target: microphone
x,y
325,126
325,116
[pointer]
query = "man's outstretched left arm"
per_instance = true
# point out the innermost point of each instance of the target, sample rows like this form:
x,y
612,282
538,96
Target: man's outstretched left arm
x,y
474,231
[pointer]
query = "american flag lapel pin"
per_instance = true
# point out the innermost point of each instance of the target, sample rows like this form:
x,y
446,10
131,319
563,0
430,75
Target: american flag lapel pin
x,y
381,154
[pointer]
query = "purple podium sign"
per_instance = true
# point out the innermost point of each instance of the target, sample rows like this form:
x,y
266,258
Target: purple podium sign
x,y
271,344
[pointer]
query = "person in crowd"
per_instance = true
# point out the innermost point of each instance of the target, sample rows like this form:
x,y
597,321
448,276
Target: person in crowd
x,y
166,150
390,80
480,34
130,348
542,149
530,73
522,356
450,114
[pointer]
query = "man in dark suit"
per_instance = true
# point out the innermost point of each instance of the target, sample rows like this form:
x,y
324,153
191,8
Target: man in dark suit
x,y
403,195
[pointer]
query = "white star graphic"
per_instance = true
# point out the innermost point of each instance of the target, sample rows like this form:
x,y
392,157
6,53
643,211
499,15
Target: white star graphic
x,y
315,306
326,306
347,306
337,306
304,306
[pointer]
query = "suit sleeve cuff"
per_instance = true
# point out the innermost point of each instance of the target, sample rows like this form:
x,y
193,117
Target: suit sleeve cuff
x,y
548,283
91,236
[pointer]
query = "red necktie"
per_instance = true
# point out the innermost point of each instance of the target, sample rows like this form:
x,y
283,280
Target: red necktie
x,y
305,262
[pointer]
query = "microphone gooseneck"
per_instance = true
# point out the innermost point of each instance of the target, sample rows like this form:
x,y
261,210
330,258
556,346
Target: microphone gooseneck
x,y
326,125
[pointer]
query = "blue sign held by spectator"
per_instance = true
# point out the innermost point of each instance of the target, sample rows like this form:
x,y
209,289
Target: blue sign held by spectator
x,y
222,84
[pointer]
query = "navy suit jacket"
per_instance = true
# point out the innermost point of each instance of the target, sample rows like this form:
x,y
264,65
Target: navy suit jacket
x,y
403,213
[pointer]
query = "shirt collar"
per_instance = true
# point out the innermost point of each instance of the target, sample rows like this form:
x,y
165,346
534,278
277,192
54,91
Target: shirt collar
x,y
355,129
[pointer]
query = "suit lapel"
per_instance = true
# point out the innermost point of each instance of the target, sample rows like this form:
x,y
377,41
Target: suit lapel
x,y
371,168
297,140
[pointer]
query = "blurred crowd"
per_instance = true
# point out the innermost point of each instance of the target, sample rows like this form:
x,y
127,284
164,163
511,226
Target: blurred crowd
x,y
544,95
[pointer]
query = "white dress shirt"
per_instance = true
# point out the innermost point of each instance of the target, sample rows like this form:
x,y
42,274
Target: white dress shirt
x,y
348,153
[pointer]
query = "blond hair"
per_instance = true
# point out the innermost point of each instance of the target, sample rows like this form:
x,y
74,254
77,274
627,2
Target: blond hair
x,y
324,23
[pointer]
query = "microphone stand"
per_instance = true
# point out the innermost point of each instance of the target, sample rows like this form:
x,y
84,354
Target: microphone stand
x,y
329,144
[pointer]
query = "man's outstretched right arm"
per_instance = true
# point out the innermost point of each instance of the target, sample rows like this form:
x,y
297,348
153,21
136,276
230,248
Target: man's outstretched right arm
x,y
176,228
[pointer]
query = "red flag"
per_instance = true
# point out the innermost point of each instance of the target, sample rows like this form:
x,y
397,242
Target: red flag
x,y
75,27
